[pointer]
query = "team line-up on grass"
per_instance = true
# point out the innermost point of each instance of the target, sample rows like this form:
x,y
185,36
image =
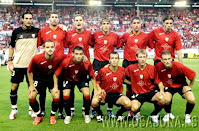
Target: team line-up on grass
x,y
61,73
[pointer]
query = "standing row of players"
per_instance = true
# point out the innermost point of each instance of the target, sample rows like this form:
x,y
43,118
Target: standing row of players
x,y
26,39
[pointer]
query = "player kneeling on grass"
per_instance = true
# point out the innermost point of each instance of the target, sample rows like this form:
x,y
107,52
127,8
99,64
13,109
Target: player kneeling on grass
x,y
173,75
144,80
40,76
78,72
109,88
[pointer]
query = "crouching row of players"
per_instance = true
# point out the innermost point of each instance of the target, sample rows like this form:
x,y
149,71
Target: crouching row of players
x,y
148,83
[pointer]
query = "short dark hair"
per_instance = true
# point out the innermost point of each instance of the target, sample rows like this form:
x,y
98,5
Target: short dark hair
x,y
27,12
49,41
135,18
78,48
142,51
52,13
114,53
76,15
105,19
168,17
165,52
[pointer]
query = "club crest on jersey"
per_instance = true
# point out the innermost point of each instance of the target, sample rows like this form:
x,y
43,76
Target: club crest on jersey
x,y
141,76
80,39
105,42
21,36
33,35
50,67
76,71
169,75
114,78
136,40
166,39
54,36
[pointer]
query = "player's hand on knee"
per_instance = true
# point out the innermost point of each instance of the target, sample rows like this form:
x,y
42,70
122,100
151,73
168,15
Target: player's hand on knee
x,y
32,91
55,92
10,66
185,89
162,93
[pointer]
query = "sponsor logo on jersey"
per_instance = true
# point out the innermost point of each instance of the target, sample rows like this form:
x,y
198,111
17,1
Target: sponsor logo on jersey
x,y
48,32
74,34
108,74
161,33
136,70
43,62
71,65
100,36
163,70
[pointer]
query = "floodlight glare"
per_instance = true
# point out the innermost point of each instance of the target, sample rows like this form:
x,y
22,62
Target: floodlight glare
x,y
181,3
95,3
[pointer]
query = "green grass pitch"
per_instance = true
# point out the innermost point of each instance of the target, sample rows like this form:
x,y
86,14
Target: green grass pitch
x,y
24,121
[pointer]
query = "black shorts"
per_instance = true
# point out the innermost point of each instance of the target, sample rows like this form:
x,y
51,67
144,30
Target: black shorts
x,y
175,90
127,63
60,81
17,75
111,98
42,84
146,97
80,84
97,65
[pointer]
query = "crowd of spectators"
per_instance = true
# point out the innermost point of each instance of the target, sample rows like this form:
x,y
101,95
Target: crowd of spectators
x,y
186,20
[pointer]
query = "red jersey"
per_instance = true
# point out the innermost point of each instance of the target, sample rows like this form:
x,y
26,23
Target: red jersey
x,y
83,40
58,36
104,45
111,81
75,72
133,43
142,81
43,68
174,77
160,40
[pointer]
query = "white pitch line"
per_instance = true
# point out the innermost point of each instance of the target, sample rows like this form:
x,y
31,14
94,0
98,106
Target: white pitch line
x,y
197,80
